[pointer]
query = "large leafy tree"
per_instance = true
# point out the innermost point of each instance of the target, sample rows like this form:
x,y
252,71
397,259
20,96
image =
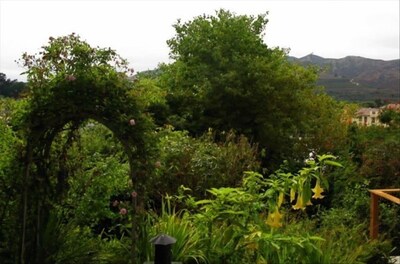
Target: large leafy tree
x,y
224,76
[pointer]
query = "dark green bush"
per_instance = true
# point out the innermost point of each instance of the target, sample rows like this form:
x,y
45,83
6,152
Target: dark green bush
x,y
201,163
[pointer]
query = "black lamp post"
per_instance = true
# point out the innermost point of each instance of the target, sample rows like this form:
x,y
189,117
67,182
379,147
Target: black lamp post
x,y
163,253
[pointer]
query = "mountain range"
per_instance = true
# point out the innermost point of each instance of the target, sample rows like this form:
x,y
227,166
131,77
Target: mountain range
x,y
355,78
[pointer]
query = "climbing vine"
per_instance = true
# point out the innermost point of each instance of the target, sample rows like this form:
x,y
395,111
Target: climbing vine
x,y
69,82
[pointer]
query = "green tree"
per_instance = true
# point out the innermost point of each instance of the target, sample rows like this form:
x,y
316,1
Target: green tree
x,y
151,97
10,88
326,124
390,117
224,76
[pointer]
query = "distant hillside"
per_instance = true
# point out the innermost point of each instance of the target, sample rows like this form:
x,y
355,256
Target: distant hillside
x,y
357,78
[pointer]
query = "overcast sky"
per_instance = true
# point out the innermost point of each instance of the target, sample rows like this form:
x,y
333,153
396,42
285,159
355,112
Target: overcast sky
x,y
138,30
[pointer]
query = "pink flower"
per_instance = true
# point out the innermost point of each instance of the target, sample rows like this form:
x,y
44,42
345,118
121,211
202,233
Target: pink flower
x,y
71,78
132,122
115,203
123,211
134,194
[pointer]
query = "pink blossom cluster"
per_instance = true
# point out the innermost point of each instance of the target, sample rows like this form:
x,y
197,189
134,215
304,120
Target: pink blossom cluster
x,y
70,78
122,210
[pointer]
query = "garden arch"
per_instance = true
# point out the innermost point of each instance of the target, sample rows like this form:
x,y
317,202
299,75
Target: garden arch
x,y
85,86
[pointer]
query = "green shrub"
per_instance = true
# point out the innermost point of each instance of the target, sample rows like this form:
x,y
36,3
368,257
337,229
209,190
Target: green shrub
x,y
10,179
202,163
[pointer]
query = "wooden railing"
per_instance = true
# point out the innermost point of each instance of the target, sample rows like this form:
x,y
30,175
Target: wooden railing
x,y
374,212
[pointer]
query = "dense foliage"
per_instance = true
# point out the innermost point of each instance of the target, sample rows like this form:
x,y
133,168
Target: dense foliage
x,y
95,163
70,82
225,77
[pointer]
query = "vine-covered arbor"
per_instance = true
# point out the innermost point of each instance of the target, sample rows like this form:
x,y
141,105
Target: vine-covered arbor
x,y
70,82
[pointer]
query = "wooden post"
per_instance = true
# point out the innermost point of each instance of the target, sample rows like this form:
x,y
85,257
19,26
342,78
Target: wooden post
x,y
374,225
374,211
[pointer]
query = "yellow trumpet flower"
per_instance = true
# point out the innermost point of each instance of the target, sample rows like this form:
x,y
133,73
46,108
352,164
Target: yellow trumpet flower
x,y
274,219
292,194
318,191
299,203
280,199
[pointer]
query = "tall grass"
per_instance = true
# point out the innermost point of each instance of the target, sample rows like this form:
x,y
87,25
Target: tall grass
x,y
179,225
